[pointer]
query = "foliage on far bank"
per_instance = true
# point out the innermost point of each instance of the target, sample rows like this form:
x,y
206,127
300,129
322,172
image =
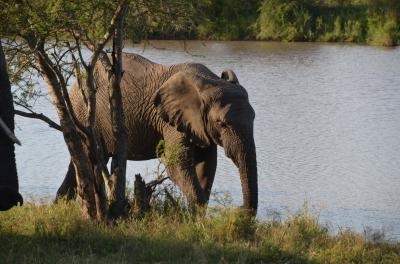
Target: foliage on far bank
x,y
59,234
226,20
375,22
363,21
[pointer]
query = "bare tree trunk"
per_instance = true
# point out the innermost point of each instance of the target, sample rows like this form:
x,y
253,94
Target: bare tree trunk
x,y
94,145
117,182
118,163
79,154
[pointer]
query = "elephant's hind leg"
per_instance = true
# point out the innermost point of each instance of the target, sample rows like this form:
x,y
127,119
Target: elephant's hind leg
x,y
67,189
205,160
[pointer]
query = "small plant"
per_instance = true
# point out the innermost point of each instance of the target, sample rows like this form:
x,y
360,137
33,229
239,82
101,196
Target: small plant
x,y
169,154
160,194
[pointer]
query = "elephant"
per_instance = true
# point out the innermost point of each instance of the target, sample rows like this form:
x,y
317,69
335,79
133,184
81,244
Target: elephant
x,y
183,104
9,195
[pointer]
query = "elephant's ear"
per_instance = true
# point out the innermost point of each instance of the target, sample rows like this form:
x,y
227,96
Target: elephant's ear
x,y
230,76
179,103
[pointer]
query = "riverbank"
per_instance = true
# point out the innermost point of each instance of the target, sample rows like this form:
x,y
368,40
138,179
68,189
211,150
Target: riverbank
x,y
58,234
373,22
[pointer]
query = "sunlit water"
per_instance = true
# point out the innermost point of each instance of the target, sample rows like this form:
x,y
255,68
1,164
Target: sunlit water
x,y
327,130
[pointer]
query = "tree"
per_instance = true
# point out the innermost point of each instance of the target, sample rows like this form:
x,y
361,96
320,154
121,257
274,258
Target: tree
x,y
53,34
50,38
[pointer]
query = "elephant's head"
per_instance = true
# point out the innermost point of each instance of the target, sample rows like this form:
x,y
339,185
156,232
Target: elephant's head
x,y
9,195
214,110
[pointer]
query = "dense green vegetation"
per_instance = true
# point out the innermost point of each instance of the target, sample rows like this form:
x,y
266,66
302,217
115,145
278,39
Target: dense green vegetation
x,y
59,234
375,22
226,20
367,21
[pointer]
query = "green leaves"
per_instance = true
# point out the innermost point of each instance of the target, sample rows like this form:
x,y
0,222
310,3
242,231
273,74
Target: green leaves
x,y
226,19
169,154
55,18
160,18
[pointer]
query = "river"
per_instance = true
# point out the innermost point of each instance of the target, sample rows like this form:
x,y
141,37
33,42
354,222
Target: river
x,y
327,130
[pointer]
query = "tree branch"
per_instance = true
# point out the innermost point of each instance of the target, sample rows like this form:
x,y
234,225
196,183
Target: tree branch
x,y
151,185
98,48
40,116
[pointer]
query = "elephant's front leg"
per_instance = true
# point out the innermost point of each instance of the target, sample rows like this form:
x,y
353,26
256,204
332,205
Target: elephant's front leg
x,y
205,160
184,175
183,172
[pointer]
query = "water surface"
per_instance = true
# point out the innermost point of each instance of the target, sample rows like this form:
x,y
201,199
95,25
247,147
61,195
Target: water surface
x,y
327,130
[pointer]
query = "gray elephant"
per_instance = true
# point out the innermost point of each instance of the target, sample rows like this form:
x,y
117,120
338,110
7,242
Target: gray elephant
x,y
182,104
9,195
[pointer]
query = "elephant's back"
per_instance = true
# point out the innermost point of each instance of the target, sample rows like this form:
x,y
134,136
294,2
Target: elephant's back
x,y
131,61
139,81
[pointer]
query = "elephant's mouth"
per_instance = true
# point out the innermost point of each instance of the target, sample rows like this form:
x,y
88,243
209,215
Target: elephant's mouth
x,y
9,198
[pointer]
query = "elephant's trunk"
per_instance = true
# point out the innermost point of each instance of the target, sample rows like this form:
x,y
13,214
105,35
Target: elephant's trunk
x,y
243,154
8,132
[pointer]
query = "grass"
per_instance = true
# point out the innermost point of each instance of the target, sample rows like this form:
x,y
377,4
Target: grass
x,y
58,234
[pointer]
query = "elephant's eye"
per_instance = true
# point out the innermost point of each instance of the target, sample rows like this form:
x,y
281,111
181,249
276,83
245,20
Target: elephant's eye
x,y
221,123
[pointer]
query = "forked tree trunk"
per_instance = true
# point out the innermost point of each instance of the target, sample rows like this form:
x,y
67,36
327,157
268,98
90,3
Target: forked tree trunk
x,y
79,153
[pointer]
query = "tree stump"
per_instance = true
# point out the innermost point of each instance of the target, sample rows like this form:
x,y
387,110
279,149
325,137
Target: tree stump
x,y
141,197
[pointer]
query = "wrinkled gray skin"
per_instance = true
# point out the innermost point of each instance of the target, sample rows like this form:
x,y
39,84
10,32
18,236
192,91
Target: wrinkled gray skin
x,y
9,195
182,103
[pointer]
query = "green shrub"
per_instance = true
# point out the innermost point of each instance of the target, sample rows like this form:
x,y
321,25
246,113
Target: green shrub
x,y
288,20
226,19
383,32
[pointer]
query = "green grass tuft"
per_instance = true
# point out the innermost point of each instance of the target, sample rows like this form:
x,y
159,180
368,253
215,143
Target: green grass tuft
x,y
59,234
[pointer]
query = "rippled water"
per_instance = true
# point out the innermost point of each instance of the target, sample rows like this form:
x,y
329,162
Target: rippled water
x,y
327,130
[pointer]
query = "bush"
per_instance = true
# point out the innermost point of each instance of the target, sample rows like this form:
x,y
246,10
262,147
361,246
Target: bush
x,y
288,20
383,28
226,19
